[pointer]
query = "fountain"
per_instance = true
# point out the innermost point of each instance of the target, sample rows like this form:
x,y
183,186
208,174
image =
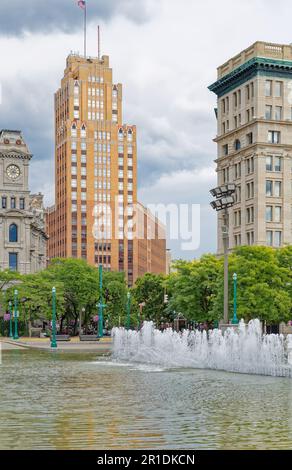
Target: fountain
x,y
243,350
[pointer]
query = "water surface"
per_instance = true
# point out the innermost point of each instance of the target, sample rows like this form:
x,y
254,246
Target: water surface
x,y
79,401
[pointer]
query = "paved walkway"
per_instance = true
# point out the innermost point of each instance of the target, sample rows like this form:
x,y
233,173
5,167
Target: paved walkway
x,y
103,346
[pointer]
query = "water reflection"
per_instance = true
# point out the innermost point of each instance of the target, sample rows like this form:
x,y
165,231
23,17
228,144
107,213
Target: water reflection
x,y
71,401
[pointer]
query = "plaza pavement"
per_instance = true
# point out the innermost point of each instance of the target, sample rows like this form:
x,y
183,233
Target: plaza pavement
x,y
102,346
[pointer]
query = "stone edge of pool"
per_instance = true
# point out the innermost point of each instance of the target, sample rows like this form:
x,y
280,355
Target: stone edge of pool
x,y
105,346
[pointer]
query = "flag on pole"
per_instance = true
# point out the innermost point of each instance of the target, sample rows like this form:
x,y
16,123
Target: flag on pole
x,y
82,4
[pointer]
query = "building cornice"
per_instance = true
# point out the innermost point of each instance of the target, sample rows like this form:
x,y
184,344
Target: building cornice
x,y
15,154
248,70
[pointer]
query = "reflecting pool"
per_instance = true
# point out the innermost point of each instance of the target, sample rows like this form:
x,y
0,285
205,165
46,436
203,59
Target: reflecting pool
x,y
81,401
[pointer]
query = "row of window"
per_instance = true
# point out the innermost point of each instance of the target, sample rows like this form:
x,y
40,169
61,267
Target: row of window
x,y
273,163
274,137
273,189
273,238
96,104
275,113
95,92
273,214
237,120
13,203
273,88
249,93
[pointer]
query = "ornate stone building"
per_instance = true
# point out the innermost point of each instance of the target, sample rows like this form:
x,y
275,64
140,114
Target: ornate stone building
x,y
254,141
22,218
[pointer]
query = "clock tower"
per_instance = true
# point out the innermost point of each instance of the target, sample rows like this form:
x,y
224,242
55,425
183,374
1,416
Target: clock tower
x,y
22,225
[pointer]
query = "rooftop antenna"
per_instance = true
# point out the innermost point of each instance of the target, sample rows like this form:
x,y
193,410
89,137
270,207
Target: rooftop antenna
x,y
98,36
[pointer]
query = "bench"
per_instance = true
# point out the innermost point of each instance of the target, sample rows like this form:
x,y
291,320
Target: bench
x,y
62,338
88,338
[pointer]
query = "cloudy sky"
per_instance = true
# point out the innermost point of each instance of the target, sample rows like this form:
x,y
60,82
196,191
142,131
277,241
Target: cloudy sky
x,y
165,52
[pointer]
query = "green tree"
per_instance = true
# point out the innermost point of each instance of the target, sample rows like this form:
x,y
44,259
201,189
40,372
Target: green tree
x,y
194,288
262,285
149,289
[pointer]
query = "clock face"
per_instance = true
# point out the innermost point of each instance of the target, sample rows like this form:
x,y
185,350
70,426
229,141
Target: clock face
x,y
13,172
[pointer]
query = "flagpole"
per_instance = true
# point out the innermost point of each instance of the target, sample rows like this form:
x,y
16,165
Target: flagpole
x,y
85,21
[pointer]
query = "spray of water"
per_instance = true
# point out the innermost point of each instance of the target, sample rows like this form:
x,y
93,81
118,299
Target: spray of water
x,y
243,350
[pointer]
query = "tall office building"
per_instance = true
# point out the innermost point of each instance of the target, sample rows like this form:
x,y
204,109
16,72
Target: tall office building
x,y
95,213
254,139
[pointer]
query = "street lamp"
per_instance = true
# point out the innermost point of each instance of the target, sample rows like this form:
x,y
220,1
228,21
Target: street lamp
x,y
15,315
128,310
54,340
224,200
235,319
10,319
82,311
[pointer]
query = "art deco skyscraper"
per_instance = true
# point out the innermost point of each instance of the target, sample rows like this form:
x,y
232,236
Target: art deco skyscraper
x,y
96,173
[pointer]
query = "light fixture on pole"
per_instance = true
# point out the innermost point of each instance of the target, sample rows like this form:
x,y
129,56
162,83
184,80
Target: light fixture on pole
x,y
128,310
15,314
235,319
54,339
224,200
10,320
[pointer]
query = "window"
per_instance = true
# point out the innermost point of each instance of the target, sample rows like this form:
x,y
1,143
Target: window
x,y
4,202
274,137
247,92
250,165
268,112
249,138
238,194
269,237
225,149
269,163
248,115
13,233
277,189
278,214
268,88
250,238
269,213
22,203
249,215
269,188
76,114
250,190
278,113
83,131
278,89
277,164
13,261
237,144
13,203
235,100
74,131
237,170
278,239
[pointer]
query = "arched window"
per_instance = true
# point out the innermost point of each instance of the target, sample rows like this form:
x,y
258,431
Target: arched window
x,y
83,131
74,130
13,233
237,144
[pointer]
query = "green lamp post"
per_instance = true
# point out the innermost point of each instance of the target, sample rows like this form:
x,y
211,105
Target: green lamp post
x,y
100,305
10,320
128,310
16,315
54,339
235,319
